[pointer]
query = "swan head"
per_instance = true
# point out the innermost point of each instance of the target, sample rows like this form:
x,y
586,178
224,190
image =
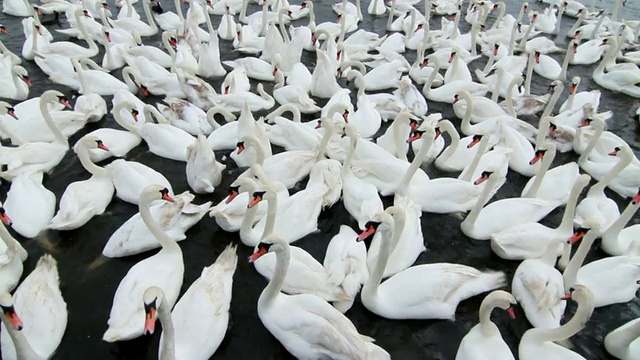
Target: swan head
x,y
491,176
4,217
55,96
92,142
589,226
6,304
379,221
155,192
555,86
152,299
243,184
426,130
574,85
269,243
623,151
7,109
3,30
581,294
500,299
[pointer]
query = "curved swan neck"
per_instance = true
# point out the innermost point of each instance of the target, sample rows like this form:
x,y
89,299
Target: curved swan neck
x,y
577,24
466,119
571,272
117,115
622,163
609,56
527,82
371,285
85,160
552,101
272,212
295,112
150,112
486,308
599,128
403,185
150,19
130,76
283,257
167,243
482,199
328,132
353,142
59,136
92,44
432,76
611,234
253,141
577,323
556,29
509,99
512,39
496,90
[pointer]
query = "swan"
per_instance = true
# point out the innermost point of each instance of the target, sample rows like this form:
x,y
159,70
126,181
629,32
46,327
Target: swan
x,y
446,92
394,140
429,291
346,264
315,329
619,241
255,68
623,341
175,218
164,139
35,318
198,323
17,8
305,274
554,184
235,102
597,207
528,240
539,287
288,167
223,137
209,64
293,94
291,134
612,279
186,116
131,24
99,81
82,200
460,152
360,198
623,81
69,49
484,339
539,343
12,254
164,269
131,177
204,172
20,83
153,78
152,53
480,223
578,100
366,119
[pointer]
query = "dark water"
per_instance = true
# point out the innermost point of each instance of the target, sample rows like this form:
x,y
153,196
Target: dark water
x,y
88,280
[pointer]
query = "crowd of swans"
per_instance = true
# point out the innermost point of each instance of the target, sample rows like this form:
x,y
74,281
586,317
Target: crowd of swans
x,y
347,152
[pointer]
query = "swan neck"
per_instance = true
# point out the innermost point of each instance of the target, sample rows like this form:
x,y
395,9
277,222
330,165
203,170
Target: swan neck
x,y
527,83
92,44
150,20
346,166
482,199
415,164
468,172
447,126
272,212
128,75
547,159
117,115
570,274
622,163
496,91
168,244
90,166
566,224
328,132
22,346
168,345
577,323
59,136
599,128
283,258
486,325
551,104
610,236
150,112
370,288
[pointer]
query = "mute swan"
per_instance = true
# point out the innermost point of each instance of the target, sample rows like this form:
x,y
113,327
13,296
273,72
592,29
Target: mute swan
x,y
165,269
235,102
446,92
99,81
186,116
480,223
17,8
360,198
164,139
35,319
316,329
69,49
429,291
293,94
18,89
528,240
12,254
597,207
578,100
623,341
131,177
204,172
366,119
82,200
484,339
539,287
623,81
346,264
131,24
198,323
619,241
612,279
539,343
30,204
175,218
305,275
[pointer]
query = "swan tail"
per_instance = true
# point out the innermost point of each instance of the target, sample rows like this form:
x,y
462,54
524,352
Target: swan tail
x,y
49,265
376,352
343,306
327,173
227,260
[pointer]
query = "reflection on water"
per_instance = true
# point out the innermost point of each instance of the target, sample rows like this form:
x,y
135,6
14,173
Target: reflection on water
x,y
90,280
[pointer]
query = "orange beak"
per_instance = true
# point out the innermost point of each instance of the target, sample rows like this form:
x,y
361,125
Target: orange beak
x,y
552,130
13,318
134,114
566,297
102,146
573,88
537,57
424,63
257,255
12,112
4,217
233,193
257,197
167,197
144,90
65,102
614,152
577,236
240,148
536,157
27,80
511,312
413,124
4,30
453,55
150,319
108,37
476,139
369,231
416,135
635,200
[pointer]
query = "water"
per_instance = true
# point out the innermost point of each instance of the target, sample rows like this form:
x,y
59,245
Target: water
x,y
88,280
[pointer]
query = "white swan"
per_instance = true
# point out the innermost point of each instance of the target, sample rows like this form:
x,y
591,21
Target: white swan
x,y
315,329
480,223
529,240
164,269
175,218
539,343
484,339
539,287
35,319
293,94
619,241
12,254
612,279
204,172
82,200
164,139
429,291
623,81
623,342
69,49
37,156
30,204
198,323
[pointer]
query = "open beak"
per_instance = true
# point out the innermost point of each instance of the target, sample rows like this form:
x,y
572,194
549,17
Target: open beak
x,y
13,318
257,255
